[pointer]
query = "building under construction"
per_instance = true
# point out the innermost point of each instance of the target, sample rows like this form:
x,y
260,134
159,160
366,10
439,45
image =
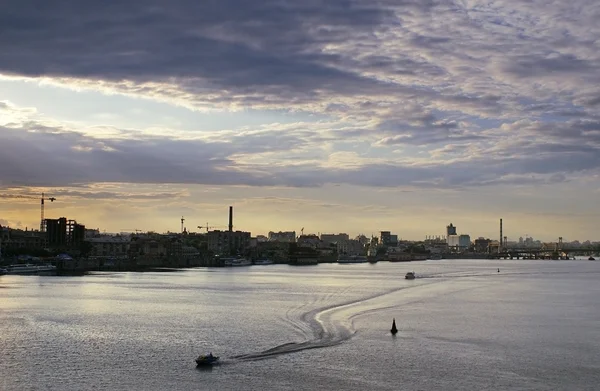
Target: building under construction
x,y
64,233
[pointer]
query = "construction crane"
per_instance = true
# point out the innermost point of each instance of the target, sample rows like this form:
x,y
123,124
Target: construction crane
x,y
42,225
206,226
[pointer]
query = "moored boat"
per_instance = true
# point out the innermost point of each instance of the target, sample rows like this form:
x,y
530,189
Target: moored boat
x,y
262,262
30,269
410,276
352,259
301,256
236,262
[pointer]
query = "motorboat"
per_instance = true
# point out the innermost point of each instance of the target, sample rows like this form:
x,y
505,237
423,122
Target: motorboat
x,y
410,276
591,259
236,262
207,359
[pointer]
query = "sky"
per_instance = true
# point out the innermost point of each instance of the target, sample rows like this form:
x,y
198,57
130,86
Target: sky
x,y
350,116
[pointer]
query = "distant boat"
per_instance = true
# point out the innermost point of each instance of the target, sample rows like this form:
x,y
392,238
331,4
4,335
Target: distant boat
x,y
236,262
394,330
3,271
262,262
591,259
410,276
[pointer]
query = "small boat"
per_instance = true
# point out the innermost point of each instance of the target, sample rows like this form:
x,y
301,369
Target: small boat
x,y
236,262
207,359
394,330
591,259
3,271
262,262
410,276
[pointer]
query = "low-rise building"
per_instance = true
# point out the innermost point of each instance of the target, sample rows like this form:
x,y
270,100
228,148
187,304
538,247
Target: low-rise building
x,y
351,247
334,238
287,236
12,239
109,245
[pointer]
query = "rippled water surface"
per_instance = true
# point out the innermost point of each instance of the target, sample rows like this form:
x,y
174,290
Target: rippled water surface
x,y
463,326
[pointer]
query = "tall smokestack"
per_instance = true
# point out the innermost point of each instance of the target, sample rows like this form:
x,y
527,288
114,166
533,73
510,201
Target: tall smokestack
x,y
501,233
230,218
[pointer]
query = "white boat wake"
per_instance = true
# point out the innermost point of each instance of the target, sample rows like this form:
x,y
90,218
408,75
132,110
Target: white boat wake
x,y
324,326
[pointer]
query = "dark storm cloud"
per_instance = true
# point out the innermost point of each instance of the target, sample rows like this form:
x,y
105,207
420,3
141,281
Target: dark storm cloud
x,y
227,43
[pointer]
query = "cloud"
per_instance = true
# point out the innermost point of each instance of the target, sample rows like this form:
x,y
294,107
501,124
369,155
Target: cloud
x,y
36,153
434,94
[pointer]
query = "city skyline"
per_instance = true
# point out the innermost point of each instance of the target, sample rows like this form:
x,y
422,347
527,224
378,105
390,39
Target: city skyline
x,y
348,117
352,234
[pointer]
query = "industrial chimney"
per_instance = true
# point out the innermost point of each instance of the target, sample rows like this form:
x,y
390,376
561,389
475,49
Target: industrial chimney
x,y
230,218
501,237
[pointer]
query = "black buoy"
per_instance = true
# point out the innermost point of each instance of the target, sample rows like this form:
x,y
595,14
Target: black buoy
x,y
498,270
394,330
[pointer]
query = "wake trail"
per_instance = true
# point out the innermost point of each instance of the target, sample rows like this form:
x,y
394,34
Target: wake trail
x,y
326,330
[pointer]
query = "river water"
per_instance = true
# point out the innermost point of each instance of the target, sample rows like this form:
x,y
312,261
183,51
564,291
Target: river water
x,y
463,326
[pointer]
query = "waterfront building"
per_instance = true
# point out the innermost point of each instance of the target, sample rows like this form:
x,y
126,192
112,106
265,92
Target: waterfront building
x,y
18,238
334,238
109,245
464,242
287,236
228,242
453,241
387,239
350,247
309,240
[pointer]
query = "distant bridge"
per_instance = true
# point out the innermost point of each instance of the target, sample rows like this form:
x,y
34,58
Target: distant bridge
x,y
544,253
